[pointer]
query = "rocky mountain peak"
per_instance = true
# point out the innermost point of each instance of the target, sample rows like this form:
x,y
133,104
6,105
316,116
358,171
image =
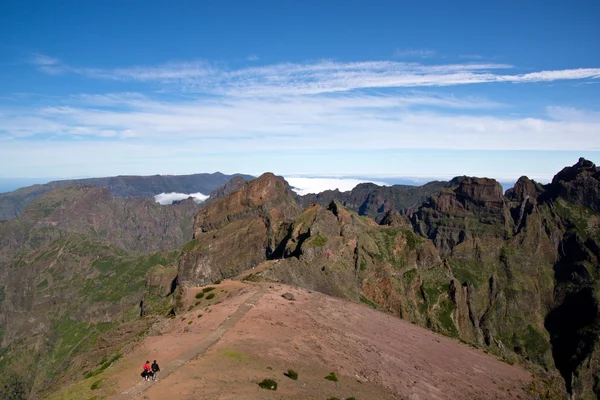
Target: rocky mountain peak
x,y
394,219
523,189
582,166
482,191
579,184
235,183
265,192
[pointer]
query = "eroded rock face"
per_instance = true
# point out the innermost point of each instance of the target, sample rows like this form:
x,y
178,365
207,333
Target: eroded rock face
x,y
579,184
525,189
472,212
238,231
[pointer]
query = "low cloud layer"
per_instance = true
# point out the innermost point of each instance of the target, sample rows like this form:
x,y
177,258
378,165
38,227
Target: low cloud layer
x,y
169,198
304,186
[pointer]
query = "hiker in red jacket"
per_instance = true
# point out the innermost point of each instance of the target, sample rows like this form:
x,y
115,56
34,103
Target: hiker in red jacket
x,y
147,371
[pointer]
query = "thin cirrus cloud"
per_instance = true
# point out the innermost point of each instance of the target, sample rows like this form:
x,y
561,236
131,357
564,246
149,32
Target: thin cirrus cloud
x,y
414,53
317,78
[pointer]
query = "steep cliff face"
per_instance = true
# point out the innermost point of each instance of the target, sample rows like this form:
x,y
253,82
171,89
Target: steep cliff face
x,y
238,231
75,265
527,265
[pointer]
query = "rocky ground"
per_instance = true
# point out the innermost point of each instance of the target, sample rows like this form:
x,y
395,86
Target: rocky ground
x,y
249,332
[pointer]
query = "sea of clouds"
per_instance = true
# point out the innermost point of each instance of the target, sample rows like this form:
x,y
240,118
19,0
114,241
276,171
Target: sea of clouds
x,y
304,186
169,198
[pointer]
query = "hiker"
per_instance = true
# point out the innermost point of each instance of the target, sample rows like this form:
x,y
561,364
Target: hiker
x,y
147,371
155,369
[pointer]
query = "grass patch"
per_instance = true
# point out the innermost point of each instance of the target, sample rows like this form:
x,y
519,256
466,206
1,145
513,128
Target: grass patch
x,y
317,241
332,377
291,374
210,296
410,275
96,385
42,285
268,384
444,314
208,289
200,295
189,246
103,365
368,302
236,355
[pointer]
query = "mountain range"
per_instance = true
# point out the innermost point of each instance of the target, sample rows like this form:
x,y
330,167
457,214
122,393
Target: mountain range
x,y
13,203
85,274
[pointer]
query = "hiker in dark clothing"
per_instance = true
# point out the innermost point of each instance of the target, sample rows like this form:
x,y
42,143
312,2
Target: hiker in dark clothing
x,y
155,370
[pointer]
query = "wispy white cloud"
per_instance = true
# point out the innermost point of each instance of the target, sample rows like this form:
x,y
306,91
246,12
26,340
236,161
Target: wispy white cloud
x,y
41,59
470,56
357,122
573,114
414,53
252,57
315,78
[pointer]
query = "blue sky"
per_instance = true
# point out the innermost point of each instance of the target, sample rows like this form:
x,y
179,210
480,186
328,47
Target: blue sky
x,y
377,89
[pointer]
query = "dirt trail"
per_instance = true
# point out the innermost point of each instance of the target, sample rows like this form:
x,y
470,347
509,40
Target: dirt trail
x,y
200,348
377,357
249,332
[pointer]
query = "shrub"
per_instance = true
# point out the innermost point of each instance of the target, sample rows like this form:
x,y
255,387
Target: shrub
x,y
332,377
210,296
199,315
200,295
218,282
208,289
291,374
268,384
96,385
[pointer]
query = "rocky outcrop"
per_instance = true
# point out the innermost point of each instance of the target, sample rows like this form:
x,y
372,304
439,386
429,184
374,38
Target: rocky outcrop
x,y
239,231
578,184
525,189
474,211
234,184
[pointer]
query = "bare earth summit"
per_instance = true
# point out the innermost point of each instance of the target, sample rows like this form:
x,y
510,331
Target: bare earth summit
x,y
248,332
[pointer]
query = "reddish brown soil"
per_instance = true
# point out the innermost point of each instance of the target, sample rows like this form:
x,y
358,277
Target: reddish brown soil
x,y
375,355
